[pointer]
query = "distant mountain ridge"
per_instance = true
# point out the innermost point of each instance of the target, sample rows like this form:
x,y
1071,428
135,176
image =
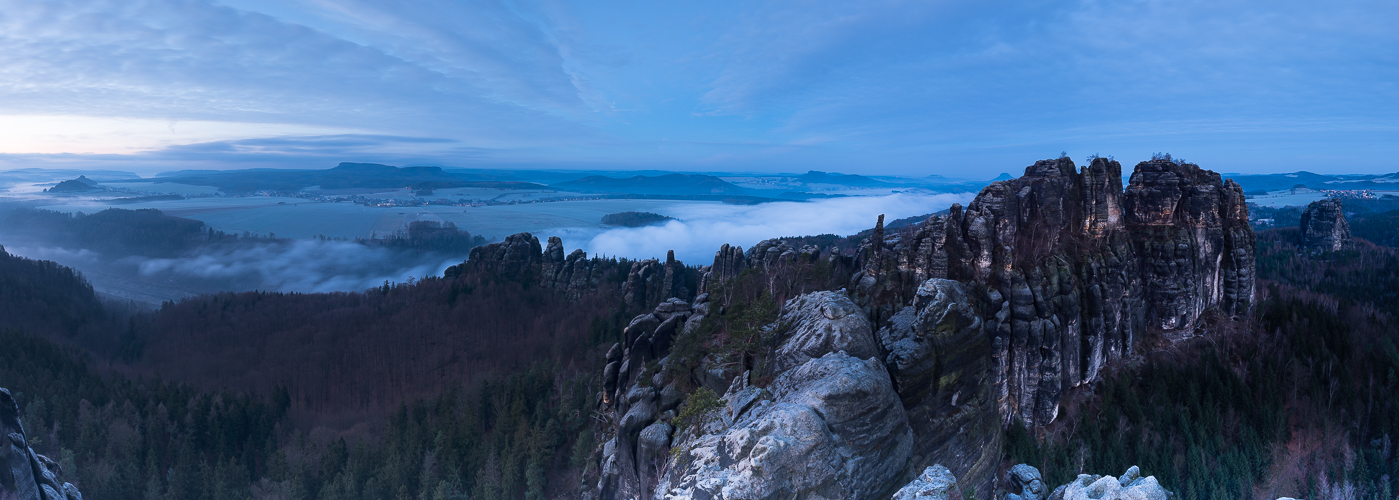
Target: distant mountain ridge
x,y
1274,182
852,180
344,175
670,184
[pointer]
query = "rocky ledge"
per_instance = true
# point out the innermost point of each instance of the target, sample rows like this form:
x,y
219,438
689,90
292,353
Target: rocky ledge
x,y
25,475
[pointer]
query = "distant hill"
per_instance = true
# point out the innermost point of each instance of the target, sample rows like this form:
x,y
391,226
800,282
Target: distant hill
x,y
344,175
1275,182
839,179
79,185
671,184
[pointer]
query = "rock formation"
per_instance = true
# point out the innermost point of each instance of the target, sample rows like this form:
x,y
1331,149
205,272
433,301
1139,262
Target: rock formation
x,y
1131,486
939,357
520,258
25,475
936,483
1067,268
830,425
948,331
1324,226
638,398
770,255
1025,483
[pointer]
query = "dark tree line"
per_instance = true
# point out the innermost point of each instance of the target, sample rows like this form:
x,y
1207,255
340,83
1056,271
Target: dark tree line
x,y
52,300
366,350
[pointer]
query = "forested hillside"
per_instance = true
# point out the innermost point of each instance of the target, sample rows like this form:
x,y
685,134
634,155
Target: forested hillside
x,y
485,384
48,299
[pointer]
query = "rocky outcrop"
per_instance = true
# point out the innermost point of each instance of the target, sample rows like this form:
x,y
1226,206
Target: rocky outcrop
x,y
829,425
518,257
1131,486
1063,263
651,280
830,428
25,475
1193,242
820,323
935,483
771,255
574,273
1324,226
640,399
939,357
950,330
1025,483
521,259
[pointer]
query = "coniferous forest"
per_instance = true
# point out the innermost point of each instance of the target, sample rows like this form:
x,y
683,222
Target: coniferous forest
x,y
481,386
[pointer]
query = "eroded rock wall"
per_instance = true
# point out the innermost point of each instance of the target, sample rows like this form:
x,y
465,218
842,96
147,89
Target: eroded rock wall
x,y
950,330
520,258
1067,269
1324,226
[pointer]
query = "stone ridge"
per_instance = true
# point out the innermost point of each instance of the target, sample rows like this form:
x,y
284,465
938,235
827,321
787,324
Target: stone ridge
x,y
520,258
1067,270
1324,226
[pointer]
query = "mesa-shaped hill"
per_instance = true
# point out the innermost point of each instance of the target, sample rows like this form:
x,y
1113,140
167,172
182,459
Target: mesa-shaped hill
x,y
672,184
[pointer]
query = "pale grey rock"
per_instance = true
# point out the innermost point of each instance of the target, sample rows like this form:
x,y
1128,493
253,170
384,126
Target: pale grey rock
x,y
936,483
820,323
1025,483
25,475
652,448
1131,486
833,429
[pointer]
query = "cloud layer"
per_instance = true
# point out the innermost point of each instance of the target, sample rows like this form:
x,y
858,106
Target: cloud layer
x,y
703,228
883,86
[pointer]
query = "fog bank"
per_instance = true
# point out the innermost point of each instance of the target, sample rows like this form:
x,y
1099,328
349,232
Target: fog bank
x,y
703,228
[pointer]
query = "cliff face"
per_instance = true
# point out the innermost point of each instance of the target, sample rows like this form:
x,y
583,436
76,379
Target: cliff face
x,y
1324,226
1068,268
1065,270
25,475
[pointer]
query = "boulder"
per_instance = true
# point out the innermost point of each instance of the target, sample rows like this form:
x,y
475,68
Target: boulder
x,y
820,323
1025,483
833,428
652,448
1131,486
936,483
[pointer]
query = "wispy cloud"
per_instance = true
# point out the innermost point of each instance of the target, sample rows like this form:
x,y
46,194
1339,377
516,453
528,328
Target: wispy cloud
x,y
884,86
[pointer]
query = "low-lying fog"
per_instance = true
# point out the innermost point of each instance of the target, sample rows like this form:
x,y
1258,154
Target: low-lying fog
x,y
701,229
329,265
289,266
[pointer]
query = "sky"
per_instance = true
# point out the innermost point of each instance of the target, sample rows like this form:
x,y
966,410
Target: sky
x,y
911,88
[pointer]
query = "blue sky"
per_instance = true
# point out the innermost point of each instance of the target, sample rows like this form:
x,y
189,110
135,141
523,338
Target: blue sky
x,y
966,89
